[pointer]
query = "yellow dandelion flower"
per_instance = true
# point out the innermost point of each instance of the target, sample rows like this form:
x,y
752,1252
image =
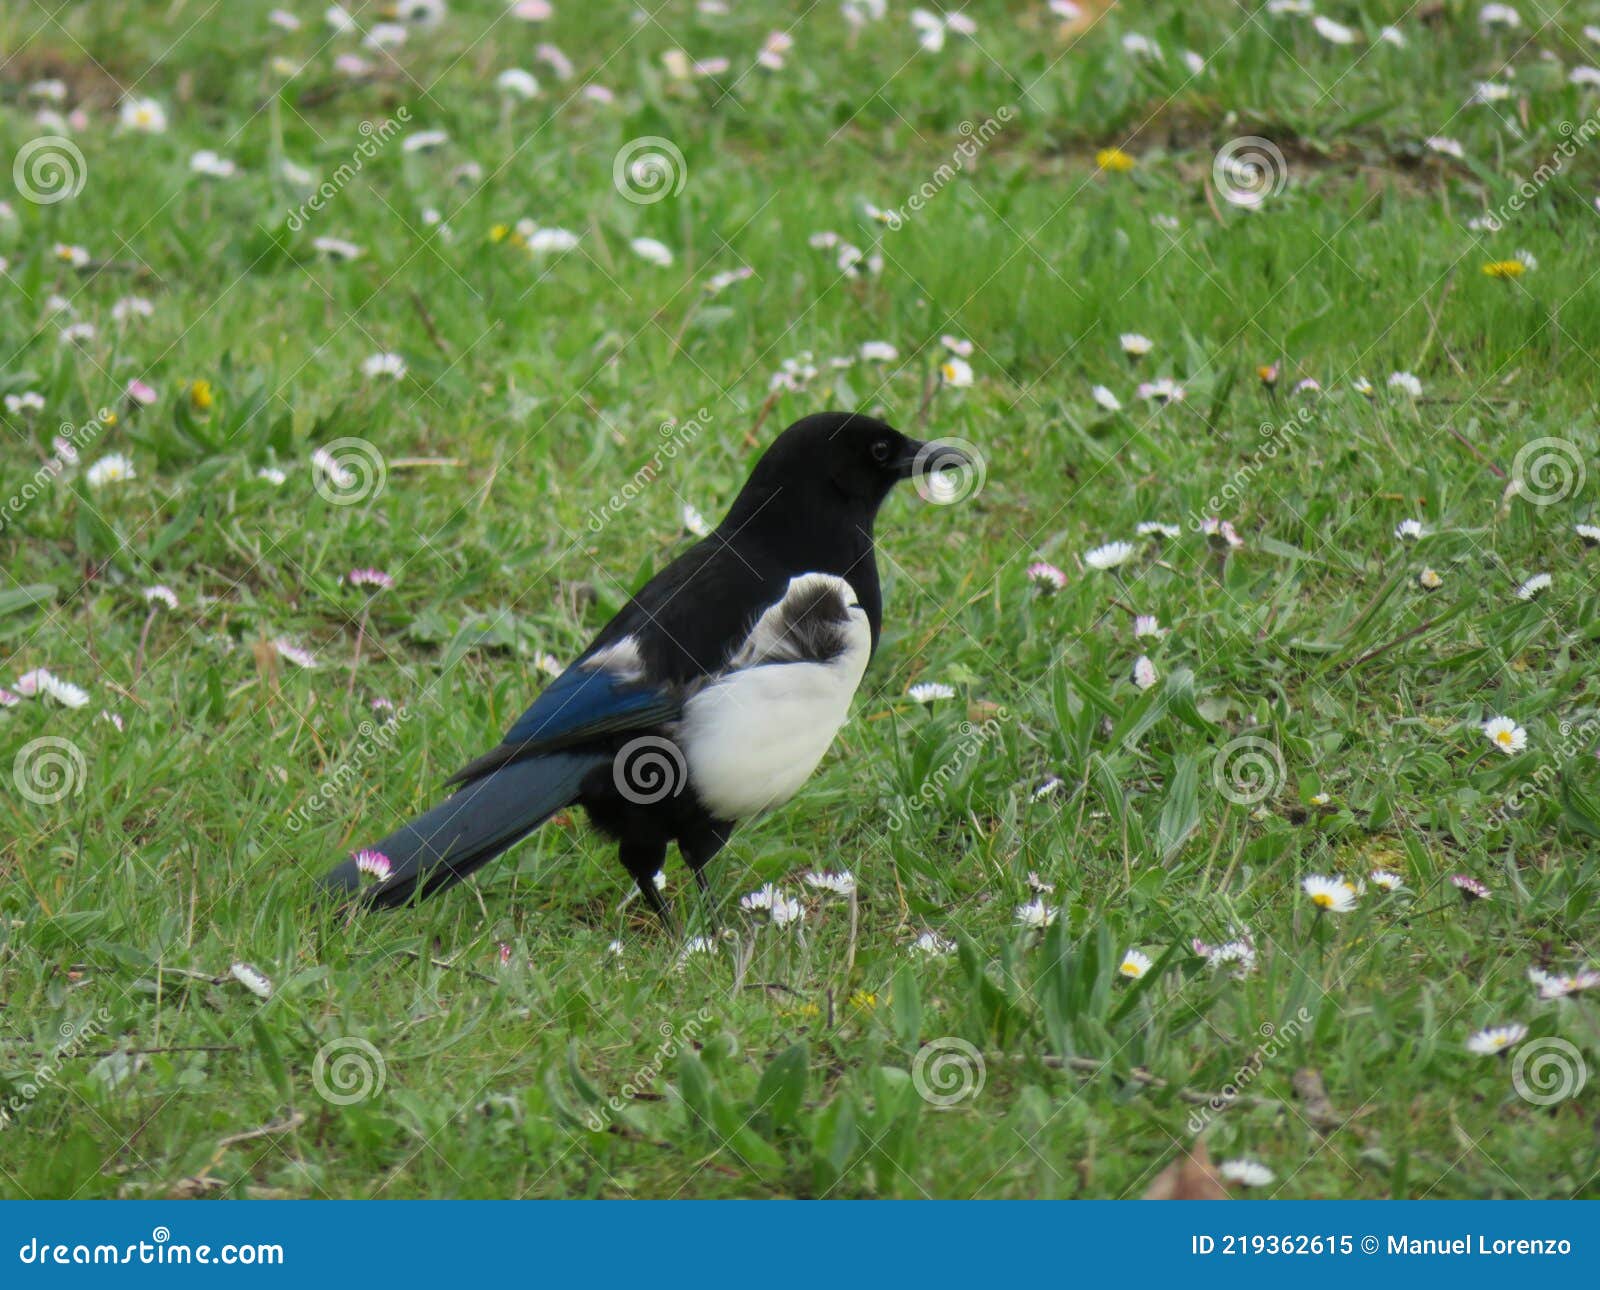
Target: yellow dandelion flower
x,y
499,232
1115,160
1504,269
864,1000
200,396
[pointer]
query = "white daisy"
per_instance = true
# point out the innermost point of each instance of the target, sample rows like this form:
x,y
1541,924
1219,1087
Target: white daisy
x,y
1036,914
1406,383
336,248
957,346
518,83
1144,673
1156,528
1496,1039
1246,1173
1590,533
1134,964
425,141
131,307
206,162
1499,15
1165,389
1335,33
930,692
113,468
878,351
1135,345
391,365
252,979
1449,147
1106,399
1409,530
144,115
1384,880
1147,625
1505,734
272,475
694,523
1533,586
840,884
1109,556
1329,895
647,248
956,372
933,945
163,593
551,241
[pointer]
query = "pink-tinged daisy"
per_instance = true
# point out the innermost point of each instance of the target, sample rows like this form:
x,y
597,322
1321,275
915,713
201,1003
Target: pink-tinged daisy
x,y
504,955
161,594
1046,576
1144,673
294,653
1240,951
1147,626
140,393
1470,888
111,719
1329,895
374,865
8,699
960,348
1493,1040
1221,533
1505,734
1557,987
370,578
382,704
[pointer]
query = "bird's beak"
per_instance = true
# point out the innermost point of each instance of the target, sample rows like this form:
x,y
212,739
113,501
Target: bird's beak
x,y
930,458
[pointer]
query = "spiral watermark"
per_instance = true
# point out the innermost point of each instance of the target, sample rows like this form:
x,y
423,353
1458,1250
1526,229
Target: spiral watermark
x,y
948,471
47,769
349,470
1547,1071
49,169
947,1072
348,1070
1548,470
649,769
648,169
1249,170
1248,770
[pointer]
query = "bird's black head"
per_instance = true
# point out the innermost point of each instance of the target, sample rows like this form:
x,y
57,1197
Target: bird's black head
x,y
852,457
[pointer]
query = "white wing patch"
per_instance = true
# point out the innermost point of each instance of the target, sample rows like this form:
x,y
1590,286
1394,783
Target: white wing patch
x,y
754,734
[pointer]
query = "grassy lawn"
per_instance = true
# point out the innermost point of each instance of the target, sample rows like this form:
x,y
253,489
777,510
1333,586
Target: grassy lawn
x,y
1367,287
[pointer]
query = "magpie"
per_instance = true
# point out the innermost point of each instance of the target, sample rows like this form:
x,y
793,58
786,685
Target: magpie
x,y
710,697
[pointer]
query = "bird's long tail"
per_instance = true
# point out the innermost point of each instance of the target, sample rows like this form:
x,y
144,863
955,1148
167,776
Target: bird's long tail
x,y
468,829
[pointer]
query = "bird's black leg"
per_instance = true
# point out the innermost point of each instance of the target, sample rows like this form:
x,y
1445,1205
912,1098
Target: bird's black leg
x,y
698,848
644,860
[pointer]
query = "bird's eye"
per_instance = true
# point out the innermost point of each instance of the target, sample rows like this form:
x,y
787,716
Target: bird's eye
x,y
881,449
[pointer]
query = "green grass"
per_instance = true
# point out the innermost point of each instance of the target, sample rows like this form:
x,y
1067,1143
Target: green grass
x,y
537,389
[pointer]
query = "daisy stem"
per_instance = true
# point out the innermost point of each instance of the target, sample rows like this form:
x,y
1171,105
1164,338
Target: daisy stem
x,y
361,634
144,639
930,387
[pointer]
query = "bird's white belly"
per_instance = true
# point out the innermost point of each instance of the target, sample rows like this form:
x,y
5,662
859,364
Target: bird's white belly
x,y
753,737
